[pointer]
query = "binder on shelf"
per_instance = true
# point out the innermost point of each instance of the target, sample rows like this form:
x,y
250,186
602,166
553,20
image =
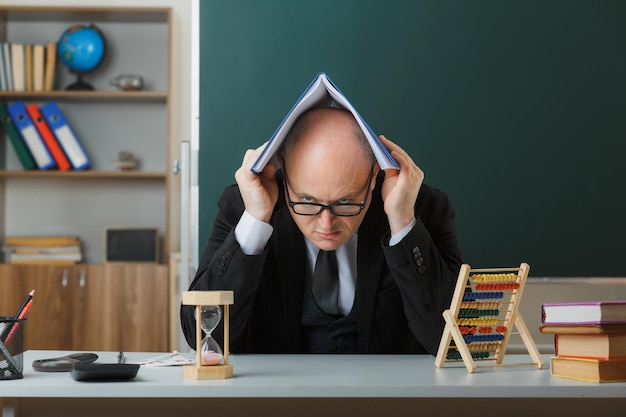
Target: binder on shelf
x,y
48,137
26,159
17,60
29,134
65,135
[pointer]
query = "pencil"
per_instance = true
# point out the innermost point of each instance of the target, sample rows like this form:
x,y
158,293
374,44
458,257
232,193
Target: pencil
x,y
7,329
17,325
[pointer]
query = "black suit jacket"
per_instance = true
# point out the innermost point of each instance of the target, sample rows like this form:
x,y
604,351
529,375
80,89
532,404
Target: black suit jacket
x,y
401,291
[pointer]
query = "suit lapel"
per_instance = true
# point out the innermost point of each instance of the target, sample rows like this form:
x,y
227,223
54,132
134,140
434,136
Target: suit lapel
x,y
291,261
370,266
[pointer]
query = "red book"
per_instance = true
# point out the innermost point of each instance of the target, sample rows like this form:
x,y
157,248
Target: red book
x,y
48,137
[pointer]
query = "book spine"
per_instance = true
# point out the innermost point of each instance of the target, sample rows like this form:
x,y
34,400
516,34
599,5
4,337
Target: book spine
x,y
50,67
17,59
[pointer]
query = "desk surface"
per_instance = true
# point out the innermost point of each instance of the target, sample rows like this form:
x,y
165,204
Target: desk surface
x,y
316,376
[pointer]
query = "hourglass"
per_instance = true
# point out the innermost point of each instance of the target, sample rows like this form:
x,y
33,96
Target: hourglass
x,y
211,363
210,317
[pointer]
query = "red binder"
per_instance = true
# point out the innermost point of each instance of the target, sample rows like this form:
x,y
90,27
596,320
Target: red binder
x,y
48,137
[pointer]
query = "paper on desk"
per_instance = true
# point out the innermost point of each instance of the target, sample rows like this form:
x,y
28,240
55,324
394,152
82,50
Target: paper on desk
x,y
169,359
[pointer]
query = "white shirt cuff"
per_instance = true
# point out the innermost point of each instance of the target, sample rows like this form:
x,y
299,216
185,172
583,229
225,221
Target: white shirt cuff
x,y
395,239
252,234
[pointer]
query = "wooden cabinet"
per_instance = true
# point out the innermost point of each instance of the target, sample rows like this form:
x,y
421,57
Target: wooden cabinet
x,y
90,307
95,306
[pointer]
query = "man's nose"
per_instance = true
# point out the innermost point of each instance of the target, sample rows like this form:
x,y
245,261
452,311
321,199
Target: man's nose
x,y
326,218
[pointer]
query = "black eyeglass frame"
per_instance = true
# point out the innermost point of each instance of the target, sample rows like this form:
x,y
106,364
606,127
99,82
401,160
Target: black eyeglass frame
x,y
330,207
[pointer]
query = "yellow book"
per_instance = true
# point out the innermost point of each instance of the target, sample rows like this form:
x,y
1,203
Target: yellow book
x,y
41,241
591,370
39,53
28,67
50,66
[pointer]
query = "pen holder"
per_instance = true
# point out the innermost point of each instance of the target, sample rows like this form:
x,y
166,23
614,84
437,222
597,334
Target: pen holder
x,y
11,348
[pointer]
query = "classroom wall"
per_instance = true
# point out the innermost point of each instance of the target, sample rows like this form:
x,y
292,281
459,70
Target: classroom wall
x,y
515,109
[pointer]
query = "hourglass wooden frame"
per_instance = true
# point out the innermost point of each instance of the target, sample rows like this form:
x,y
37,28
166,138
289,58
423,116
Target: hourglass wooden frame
x,y
209,298
483,311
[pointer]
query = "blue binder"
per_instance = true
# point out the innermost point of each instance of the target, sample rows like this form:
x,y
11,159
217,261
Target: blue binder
x,y
33,140
65,135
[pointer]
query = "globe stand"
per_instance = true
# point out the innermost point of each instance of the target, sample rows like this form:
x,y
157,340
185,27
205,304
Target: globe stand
x,y
208,298
79,84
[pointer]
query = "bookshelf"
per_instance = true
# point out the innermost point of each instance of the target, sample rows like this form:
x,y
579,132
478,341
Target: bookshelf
x,y
107,121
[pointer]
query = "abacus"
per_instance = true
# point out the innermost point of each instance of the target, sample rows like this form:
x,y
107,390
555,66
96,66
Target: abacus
x,y
483,310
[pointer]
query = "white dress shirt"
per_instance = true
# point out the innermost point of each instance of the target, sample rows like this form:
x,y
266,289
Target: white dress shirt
x,y
253,234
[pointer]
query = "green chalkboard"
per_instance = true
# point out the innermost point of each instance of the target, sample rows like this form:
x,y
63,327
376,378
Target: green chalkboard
x,y
517,109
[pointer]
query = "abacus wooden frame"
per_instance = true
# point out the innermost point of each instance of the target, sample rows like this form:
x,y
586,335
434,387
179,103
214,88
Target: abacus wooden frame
x,y
512,318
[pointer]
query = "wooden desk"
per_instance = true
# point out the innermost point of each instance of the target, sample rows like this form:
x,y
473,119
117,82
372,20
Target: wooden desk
x,y
313,385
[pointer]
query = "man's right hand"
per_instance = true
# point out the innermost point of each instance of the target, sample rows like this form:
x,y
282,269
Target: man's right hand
x,y
259,192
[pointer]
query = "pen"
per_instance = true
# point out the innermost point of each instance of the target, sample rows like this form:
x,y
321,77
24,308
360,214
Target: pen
x,y
29,297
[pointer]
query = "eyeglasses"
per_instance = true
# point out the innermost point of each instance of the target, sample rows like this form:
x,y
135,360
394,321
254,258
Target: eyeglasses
x,y
338,209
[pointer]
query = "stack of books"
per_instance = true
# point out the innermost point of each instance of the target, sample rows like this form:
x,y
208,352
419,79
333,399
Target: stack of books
x,y
65,250
589,339
27,67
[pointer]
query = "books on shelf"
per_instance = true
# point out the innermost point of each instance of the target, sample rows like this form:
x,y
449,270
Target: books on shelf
x,y
27,66
591,312
42,249
589,339
322,91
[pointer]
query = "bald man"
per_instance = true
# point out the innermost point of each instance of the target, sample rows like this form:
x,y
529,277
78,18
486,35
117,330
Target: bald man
x,y
393,240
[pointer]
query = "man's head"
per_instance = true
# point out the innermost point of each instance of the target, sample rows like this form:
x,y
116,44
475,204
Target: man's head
x,y
326,160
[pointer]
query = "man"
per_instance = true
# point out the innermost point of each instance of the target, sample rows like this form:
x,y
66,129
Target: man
x,y
394,239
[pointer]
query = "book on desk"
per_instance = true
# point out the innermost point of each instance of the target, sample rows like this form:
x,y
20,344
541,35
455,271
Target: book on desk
x,y
589,339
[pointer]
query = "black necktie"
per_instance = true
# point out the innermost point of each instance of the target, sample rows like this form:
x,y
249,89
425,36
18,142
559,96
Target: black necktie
x,y
326,282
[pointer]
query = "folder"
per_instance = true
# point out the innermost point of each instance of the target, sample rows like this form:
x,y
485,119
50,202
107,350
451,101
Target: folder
x,y
26,159
48,137
31,137
65,135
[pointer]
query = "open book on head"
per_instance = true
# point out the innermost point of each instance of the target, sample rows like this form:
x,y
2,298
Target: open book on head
x,y
322,90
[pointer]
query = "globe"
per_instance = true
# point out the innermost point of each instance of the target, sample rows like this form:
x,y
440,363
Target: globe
x,y
81,48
